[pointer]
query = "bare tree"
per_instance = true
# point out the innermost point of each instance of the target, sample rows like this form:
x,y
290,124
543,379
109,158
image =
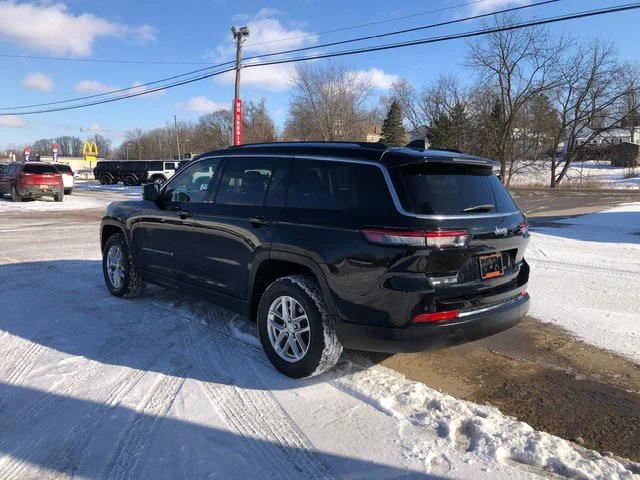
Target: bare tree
x,y
328,103
258,126
590,94
517,65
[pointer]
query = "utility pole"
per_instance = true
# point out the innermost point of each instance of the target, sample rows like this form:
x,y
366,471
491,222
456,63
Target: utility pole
x,y
175,122
239,35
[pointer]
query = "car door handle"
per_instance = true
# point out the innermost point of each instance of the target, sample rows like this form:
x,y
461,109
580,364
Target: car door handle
x,y
258,221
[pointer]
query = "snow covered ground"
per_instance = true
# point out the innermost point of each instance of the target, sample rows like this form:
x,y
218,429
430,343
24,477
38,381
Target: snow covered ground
x,y
586,173
70,202
586,277
169,387
93,186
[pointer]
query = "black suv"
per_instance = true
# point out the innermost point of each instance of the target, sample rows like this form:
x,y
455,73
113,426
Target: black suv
x,y
331,244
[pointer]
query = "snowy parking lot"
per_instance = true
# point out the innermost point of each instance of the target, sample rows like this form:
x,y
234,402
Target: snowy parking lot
x,y
165,386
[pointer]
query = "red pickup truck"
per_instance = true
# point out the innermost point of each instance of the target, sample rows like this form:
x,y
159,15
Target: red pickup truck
x,y
31,180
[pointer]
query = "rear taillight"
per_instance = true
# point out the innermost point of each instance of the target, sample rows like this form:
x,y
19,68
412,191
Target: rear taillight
x,y
523,228
417,238
436,316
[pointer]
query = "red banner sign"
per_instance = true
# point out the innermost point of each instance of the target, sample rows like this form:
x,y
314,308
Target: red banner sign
x,y
237,122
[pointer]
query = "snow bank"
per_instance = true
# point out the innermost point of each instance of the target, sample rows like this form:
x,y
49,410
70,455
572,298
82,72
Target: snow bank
x,y
434,426
585,277
583,172
129,191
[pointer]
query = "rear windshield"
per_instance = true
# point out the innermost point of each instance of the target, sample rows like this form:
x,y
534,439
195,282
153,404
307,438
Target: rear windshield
x,y
437,189
63,168
31,168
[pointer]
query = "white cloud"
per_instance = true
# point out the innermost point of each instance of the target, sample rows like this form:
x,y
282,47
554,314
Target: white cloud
x,y
491,5
269,77
38,81
8,121
52,28
95,127
203,105
379,79
93,86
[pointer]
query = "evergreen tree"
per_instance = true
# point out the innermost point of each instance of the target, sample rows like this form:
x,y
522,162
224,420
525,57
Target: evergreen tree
x,y
393,132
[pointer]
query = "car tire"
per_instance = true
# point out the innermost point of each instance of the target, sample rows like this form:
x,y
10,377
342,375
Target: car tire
x,y
58,197
129,181
104,180
68,191
127,282
323,348
15,196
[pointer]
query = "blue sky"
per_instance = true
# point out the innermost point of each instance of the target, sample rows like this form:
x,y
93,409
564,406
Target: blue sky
x,y
198,31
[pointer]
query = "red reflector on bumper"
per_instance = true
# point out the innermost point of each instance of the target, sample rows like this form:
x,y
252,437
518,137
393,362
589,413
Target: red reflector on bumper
x,y
436,316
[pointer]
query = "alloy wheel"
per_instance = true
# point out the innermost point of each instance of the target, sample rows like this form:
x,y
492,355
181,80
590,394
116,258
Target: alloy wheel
x,y
288,329
115,266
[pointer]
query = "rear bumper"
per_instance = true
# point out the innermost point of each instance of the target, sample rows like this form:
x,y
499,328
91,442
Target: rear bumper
x,y
416,338
36,191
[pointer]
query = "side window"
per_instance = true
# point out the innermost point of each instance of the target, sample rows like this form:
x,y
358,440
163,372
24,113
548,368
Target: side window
x,y
321,185
245,181
192,184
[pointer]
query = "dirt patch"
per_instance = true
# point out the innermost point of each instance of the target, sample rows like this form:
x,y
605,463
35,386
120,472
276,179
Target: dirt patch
x,y
541,375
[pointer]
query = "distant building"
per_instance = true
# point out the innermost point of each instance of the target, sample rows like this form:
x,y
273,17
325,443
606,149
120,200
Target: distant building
x,y
614,136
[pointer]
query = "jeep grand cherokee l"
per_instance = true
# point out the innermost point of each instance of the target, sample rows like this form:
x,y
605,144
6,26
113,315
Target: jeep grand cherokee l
x,y
331,245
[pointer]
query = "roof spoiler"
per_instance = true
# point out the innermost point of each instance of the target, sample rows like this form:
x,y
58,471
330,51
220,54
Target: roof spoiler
x,y
422,144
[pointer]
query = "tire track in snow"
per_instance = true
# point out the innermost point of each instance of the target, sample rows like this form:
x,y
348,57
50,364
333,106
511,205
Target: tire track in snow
x,y
576,267
26,448
277,446
141,431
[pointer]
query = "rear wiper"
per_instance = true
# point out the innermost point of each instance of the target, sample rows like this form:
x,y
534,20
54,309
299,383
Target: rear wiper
x,y
480,208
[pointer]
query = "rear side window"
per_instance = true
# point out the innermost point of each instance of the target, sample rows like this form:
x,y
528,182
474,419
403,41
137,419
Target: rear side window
x,y
321,185
39,169
245,181
443,189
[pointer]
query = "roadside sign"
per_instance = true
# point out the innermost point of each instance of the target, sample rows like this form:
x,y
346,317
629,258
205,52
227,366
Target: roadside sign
x,y
237,122
54,152
27,153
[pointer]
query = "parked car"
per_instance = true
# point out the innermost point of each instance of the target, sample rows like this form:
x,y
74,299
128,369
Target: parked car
x,y
331,245
67,177
134,172
31,180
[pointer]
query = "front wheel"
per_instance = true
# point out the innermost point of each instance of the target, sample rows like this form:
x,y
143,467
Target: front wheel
x,y
296,331
120,274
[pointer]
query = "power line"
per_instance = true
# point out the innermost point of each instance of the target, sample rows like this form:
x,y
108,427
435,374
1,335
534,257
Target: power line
x,y
278,40
368,24
423,41
99,60
285,52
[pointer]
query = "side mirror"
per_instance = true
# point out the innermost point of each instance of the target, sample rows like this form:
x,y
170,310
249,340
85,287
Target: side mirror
x,y
151,192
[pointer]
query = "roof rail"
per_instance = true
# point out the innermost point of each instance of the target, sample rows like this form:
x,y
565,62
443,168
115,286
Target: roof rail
x,y
376,145
422,144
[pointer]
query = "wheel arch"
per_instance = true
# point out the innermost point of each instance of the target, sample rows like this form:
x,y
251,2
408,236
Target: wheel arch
x,y
110,228
281,264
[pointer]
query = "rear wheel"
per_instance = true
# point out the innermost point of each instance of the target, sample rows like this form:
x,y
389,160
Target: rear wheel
x,y
130,181
68,191
158,179
120,273
58,197
296,331
15,196
104,180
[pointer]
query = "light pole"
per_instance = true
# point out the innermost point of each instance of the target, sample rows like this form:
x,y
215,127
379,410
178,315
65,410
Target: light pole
x,y
239,35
